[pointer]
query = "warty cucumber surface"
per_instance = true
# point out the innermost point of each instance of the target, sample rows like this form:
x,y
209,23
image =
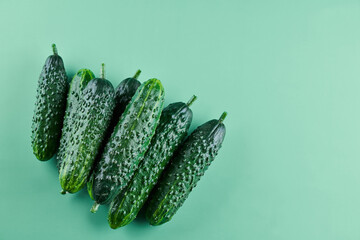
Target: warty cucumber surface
x,y
172,129
86,133
77,85
186,168
128,142
49,107
123,94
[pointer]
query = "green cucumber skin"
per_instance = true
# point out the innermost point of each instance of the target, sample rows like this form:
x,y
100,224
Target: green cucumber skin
x,y
128,142
77,85
172,129
49,108
123,94
85,136
185,170
89,185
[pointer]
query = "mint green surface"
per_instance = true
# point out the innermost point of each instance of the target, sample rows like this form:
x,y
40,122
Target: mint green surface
x,y
287,72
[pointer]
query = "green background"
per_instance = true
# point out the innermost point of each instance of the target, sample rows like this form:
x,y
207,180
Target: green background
x,y
287,72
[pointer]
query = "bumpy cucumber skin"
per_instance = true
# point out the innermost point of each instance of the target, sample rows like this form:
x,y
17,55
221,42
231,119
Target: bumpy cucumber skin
x,y
172,129
123,94
77,85
185,169
129,141
49,108
94,113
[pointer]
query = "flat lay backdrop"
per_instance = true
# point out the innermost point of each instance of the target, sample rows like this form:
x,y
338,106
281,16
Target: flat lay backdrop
x,y
287,72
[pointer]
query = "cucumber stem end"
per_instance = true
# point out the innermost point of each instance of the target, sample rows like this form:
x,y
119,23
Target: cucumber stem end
x,y
192,99
223,116
137,74
54,49
102,71
95,207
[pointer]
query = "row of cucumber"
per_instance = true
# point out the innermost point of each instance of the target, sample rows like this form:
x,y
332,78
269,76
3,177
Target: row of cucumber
x,y
121,142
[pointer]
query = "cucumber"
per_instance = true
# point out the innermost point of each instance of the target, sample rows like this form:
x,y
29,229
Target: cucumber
x,y
128,142
172,129
123,94
188,165
89,185
94,111
49,107
77,85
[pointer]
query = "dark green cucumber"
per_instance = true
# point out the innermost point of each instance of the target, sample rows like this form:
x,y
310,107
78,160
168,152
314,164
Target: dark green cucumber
x,y
172,129
77,85
49,107
188,165
128,142
123,94
86,133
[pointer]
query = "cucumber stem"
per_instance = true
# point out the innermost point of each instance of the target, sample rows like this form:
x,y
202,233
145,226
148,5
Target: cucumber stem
x,y
192,99
137,74
223,116
102,71
54,49
63,192
94,207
